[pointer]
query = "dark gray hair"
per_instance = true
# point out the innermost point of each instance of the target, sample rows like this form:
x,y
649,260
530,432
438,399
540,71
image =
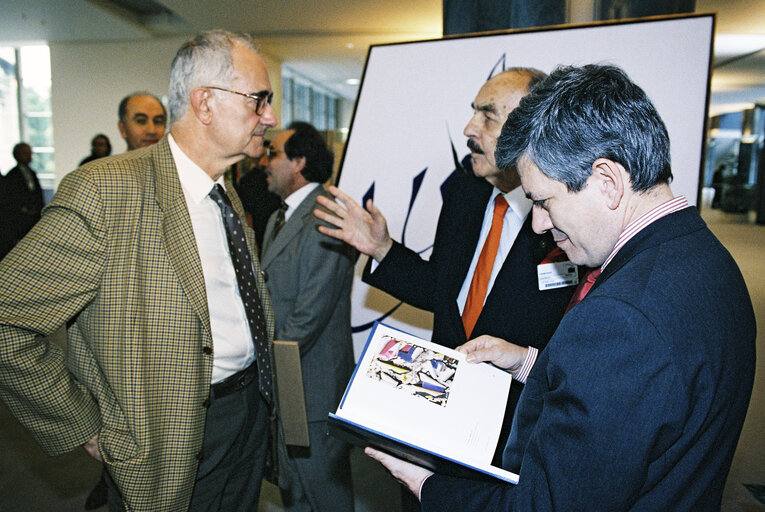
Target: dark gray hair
x,y
580,114
307,142
203,60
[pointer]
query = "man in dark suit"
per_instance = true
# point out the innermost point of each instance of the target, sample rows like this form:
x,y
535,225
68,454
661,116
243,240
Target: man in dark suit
x,y
639,398
252,188
309,277
22,194
168,374
514,308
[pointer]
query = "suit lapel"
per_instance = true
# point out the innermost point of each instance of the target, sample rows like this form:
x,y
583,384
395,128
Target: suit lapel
x,y
472,209
177,232
273,246
467,212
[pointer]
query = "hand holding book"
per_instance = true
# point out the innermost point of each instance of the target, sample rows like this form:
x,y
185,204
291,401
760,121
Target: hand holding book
x,y
493,350
411,475
426,404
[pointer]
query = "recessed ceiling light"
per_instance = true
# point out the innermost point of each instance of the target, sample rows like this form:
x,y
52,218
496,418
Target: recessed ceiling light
x,y
352,81
350,46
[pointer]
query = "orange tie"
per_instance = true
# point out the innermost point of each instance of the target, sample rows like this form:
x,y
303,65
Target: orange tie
x,y
483,268
583,288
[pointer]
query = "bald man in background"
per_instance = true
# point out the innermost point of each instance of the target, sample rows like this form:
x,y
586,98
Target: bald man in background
x,y
142,120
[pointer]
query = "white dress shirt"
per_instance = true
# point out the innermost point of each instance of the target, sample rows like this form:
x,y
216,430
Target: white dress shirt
x,y
294,199
232,340
519,208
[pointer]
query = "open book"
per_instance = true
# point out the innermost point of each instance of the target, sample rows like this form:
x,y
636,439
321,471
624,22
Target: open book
x,y
425,403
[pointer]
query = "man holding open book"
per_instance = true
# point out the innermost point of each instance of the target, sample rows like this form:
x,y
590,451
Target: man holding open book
x,y
638,400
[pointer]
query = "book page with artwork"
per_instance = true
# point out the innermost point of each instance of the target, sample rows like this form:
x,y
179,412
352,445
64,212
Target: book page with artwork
x,y
428,396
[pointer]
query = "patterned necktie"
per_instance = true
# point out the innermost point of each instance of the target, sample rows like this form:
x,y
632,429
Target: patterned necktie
x,y
483,268
583,288
245,279
279,221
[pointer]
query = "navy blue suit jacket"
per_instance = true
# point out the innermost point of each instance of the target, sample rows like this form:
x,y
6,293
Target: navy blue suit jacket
x,y
639,398
515,309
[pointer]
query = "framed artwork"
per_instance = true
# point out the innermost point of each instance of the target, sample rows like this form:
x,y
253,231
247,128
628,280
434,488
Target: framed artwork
x,y
414,102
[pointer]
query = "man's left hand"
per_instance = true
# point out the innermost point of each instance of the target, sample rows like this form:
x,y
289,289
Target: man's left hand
x,y
405,472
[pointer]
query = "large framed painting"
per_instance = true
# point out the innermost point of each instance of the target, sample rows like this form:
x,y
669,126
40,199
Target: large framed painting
x,y
414,102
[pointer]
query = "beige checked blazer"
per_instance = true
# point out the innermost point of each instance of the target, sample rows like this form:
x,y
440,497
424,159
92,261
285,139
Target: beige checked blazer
x,y
115,256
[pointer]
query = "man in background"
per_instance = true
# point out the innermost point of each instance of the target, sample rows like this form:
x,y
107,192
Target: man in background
x,y
100,146
258,201
471,290
22,198
142,120
147,258
309,278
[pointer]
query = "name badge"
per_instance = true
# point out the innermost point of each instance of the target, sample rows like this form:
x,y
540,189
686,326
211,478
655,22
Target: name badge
x,y
557,275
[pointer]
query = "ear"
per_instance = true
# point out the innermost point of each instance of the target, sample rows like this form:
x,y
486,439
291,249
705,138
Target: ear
x,y
612,179
200,102
299,163
121,127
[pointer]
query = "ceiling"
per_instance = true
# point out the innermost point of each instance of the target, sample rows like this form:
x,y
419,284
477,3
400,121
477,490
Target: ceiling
x,y
327,41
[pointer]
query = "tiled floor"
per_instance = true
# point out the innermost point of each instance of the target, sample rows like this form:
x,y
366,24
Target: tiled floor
x,y
32,481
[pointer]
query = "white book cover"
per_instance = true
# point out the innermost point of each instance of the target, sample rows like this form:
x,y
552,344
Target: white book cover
x,y
428,397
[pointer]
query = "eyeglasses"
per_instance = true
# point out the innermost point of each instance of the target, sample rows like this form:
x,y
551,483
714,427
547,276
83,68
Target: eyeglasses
x,y
271,152
261,98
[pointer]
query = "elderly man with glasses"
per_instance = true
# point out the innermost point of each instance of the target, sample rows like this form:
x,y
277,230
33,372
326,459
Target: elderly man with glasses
x,y
147,258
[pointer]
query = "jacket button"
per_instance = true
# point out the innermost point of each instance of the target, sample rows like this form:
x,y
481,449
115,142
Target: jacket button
x,y
206,403
200,455
264,274
207,350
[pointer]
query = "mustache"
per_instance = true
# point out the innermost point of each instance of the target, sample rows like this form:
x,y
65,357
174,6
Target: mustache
x,y
474,147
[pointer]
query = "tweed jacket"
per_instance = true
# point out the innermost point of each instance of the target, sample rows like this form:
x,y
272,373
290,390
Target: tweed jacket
x,y
115,258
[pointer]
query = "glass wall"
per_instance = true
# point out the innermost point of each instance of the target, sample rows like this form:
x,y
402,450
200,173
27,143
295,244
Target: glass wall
x,y
734,149
25,111
303,100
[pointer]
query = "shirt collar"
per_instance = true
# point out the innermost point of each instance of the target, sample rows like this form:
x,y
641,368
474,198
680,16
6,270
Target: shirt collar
x,y
516,200
195,181
294,199
645,220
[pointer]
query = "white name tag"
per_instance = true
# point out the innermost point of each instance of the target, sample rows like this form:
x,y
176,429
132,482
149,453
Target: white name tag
x,y
557,275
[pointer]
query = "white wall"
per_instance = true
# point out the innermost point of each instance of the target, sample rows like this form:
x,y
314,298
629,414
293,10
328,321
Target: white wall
x,y
90,79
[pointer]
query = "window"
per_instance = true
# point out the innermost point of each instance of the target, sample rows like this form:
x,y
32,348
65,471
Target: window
x,y
303,100
25,108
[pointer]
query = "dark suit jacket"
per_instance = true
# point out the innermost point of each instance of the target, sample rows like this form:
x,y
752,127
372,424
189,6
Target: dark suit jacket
x,y
257,201
639,398
23,206
115,256
515,309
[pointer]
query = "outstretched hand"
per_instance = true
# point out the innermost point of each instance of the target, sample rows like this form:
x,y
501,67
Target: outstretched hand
x,y
366,230
496,351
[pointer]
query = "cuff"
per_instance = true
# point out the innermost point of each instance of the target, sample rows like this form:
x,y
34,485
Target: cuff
x,y
419,491
531,358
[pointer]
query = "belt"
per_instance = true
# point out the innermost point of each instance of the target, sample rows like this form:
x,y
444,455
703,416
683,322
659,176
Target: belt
x,y
239,380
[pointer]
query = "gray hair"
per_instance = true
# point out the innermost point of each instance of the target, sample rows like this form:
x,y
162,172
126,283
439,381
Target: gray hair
x,y
580,114
203,60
